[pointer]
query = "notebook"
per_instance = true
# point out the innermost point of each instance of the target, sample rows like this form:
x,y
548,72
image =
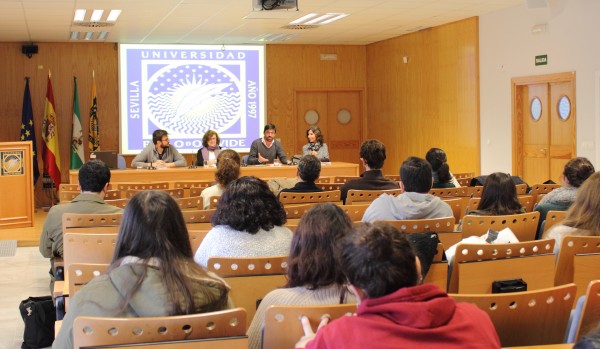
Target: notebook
x,y
109,157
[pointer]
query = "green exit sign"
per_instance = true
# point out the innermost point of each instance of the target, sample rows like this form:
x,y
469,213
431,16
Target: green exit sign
x,y
541,60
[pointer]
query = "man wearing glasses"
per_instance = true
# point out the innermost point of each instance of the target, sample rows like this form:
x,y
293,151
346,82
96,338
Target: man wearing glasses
x,y
159,153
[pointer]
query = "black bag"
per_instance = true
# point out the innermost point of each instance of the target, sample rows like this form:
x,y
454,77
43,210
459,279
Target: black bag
x,y
39,315
508,286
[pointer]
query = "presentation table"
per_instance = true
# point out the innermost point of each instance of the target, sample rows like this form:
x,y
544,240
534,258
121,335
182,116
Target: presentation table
x,y
200,173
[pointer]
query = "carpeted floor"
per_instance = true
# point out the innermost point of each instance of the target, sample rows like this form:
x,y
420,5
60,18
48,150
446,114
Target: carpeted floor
x,y
8,248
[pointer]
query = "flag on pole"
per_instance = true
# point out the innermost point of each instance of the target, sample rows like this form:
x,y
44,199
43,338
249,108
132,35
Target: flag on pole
x,y
77,139
51,154
27,129
94,136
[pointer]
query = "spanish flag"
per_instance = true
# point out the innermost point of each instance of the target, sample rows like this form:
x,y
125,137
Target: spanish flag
x,y
51,155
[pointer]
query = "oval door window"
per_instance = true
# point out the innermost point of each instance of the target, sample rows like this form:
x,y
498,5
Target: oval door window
x,y
564,107
311,117
536,109
344,117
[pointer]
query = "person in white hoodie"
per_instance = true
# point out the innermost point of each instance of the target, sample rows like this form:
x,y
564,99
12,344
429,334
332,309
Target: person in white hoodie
x,y
415,202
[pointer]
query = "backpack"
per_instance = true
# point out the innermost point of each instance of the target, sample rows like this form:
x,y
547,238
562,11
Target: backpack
x,y
39,315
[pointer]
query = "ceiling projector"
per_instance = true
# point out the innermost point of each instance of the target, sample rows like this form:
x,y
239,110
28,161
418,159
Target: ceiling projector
x,y
269,5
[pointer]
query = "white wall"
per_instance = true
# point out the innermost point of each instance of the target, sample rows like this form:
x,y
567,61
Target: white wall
x,y
507,49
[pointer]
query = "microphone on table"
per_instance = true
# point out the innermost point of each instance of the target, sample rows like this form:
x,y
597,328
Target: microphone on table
x,y
151,167
193,165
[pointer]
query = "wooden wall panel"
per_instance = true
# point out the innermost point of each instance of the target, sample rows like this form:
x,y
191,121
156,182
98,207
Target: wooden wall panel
x,y
64,60
298,67
431,101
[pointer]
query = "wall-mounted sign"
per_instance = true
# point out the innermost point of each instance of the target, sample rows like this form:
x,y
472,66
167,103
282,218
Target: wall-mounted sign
x,y
541,60
11,163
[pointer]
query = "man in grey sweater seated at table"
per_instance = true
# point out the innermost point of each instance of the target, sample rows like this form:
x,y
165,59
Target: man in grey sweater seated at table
x,y
159,154
265,150
415,202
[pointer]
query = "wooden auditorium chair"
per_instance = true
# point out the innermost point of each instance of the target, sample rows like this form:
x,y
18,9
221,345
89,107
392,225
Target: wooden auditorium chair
x,y
220,329
523,225
142,186
476,267
527,318
444,227
250,278
578,262
295,198
590,314
356,196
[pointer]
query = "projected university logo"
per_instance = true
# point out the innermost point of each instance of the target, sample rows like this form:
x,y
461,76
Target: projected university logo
x,y
190,99
188,90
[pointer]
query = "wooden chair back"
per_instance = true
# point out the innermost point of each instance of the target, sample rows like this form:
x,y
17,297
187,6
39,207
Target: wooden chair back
x,y
304,198
438,271
521,189
464,182
196,237
196,191
323,180
525,200
578,261
198,219
67,196
118,202
82,273
190,203
527,318
458,207
475,267
68,187
113,195
282,322
297,211
143,186
88,248
355,196
451,192
187,185
523,225
96,223
475,192
443,226
175,193
343,179
590,315
330,186
553,217
227,325
355,212
538,189
214,201
462,175
250,278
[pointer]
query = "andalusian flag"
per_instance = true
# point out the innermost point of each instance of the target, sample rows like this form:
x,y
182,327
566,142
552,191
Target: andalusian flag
x,y
77,139
27,129
94,137
50,154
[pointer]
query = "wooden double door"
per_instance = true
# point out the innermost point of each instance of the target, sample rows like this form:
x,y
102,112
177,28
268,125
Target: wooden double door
x,y
544,120
339,115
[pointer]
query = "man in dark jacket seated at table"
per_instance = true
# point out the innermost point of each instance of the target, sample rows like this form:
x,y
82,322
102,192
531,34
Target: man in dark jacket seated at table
x,y
372,156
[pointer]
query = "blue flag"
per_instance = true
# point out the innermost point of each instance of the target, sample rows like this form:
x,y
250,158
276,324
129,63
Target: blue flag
x,y
27,129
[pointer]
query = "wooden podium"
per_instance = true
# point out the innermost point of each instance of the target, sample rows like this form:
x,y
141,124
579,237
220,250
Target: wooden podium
x,y
16,185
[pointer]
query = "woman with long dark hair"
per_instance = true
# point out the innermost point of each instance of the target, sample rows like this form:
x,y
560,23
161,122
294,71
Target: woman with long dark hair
x,y
152,272
248,222
499,197
314,275
442,177
316,144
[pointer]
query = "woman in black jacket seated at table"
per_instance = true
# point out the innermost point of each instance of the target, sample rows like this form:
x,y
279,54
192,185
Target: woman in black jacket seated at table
x,y
210,148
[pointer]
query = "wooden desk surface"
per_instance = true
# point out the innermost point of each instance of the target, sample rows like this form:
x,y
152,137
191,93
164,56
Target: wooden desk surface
x,y
200,173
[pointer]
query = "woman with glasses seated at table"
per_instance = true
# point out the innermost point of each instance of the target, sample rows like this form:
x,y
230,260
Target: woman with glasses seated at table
x,y
210,149
316,144
314,276
152,272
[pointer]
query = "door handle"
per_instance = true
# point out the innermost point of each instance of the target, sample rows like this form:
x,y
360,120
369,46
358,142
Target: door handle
x,y
543,150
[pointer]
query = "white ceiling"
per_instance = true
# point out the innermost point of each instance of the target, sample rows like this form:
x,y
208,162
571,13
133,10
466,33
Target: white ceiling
x,y
222,21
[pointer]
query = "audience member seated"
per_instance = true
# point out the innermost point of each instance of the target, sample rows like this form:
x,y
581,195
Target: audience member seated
x,y
442,177
576,171
582,218
210,149
499,197
415,202
152,272
309,170
248,222
228,170
372,157
314,276
94,177
395,310
590,340
316,144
